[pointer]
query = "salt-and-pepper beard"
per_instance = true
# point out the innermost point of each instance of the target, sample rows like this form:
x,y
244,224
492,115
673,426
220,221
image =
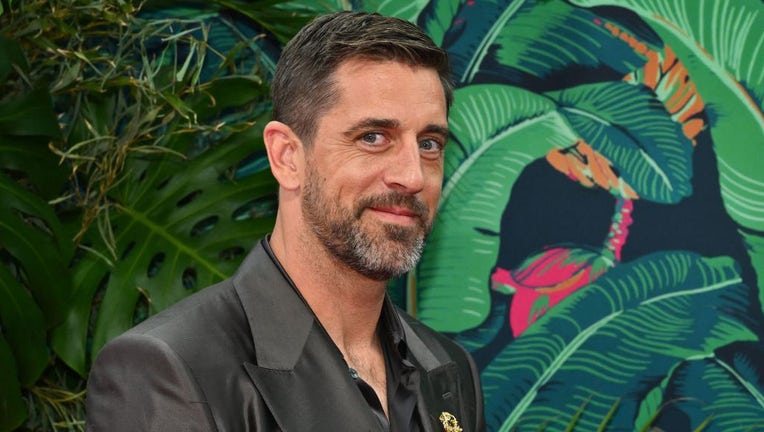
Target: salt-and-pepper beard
x,y
376,254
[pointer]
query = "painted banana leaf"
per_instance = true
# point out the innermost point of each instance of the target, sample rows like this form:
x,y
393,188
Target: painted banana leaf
x,y
617,338
503,42
732,393
628,125
495,132
405,9
170,232
721,45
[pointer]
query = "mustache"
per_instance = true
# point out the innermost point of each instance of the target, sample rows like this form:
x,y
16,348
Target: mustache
x,y
394,199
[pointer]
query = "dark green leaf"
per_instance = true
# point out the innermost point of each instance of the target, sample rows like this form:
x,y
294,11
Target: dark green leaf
x,y
225,93
282,22
177,228
10,55
31,157
713,388
29,114
24,327
518,42
32,234
12,407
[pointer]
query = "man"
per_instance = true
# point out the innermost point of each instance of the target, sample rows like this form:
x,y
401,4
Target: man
x,y
303,336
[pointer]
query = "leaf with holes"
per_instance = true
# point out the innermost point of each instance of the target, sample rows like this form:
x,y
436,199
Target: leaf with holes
x,y
174,226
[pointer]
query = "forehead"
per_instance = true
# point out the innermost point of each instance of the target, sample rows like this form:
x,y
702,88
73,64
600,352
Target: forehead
x,y
382,88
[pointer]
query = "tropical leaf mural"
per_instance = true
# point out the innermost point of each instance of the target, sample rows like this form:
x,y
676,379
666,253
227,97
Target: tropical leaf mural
x,y
569,114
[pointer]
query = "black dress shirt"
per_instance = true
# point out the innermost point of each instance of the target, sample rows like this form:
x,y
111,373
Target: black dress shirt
x,y
402,377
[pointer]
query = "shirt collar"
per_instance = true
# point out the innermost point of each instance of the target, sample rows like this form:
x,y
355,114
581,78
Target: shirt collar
x,y
391,329
389,326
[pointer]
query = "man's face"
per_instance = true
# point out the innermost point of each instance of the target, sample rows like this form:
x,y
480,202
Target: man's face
x,y
375,168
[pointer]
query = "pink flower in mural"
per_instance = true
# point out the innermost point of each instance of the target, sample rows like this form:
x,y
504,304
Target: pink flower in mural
x,y
544,279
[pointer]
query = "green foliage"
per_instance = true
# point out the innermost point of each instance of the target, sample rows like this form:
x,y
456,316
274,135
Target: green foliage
x,y
132,175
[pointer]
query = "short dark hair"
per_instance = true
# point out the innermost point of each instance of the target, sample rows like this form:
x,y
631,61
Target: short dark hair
x,y
303,88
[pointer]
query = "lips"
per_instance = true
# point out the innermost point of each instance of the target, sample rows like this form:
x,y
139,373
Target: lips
x,y
398,211
394,205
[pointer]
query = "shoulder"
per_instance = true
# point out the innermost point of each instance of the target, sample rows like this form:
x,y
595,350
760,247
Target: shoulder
x,y
204,331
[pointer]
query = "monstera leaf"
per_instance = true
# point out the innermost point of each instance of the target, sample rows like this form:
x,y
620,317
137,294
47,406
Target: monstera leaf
x,y
731,395
615,339
627,124
497,130
720,43
174,226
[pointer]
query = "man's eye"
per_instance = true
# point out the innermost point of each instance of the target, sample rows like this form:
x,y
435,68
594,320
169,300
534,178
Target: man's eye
x,y
372,138
430,145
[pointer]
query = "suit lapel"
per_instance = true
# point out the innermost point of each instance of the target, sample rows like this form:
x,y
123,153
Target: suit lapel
x,y
298,371
439,389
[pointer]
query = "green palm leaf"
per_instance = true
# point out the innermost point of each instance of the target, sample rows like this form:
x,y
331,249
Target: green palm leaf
x,y
640,320
497,130
630,127
466,32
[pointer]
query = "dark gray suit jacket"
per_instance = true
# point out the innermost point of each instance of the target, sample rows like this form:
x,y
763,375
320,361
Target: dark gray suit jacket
x,y
248,354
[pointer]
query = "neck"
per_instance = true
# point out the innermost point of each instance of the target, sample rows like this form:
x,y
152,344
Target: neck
x,y
347,304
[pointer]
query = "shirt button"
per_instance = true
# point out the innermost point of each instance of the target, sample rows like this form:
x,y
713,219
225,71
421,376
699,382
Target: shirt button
x,y
353,373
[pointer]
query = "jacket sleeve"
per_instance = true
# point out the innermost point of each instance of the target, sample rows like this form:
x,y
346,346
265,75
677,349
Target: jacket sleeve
x,y
138,383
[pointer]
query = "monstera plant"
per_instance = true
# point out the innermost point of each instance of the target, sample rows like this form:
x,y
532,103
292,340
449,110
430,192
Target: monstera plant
x,y
133,174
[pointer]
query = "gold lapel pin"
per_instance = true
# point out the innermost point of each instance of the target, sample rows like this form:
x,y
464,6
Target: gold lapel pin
x,y
450,424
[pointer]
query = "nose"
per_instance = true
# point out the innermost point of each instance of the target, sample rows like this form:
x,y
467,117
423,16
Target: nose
x,y
404,171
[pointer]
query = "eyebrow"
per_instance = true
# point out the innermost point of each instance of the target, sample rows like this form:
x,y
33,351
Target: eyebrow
x,y
371,123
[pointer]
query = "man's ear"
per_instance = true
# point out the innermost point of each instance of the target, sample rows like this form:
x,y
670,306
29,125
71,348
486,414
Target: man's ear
x,y
285,154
